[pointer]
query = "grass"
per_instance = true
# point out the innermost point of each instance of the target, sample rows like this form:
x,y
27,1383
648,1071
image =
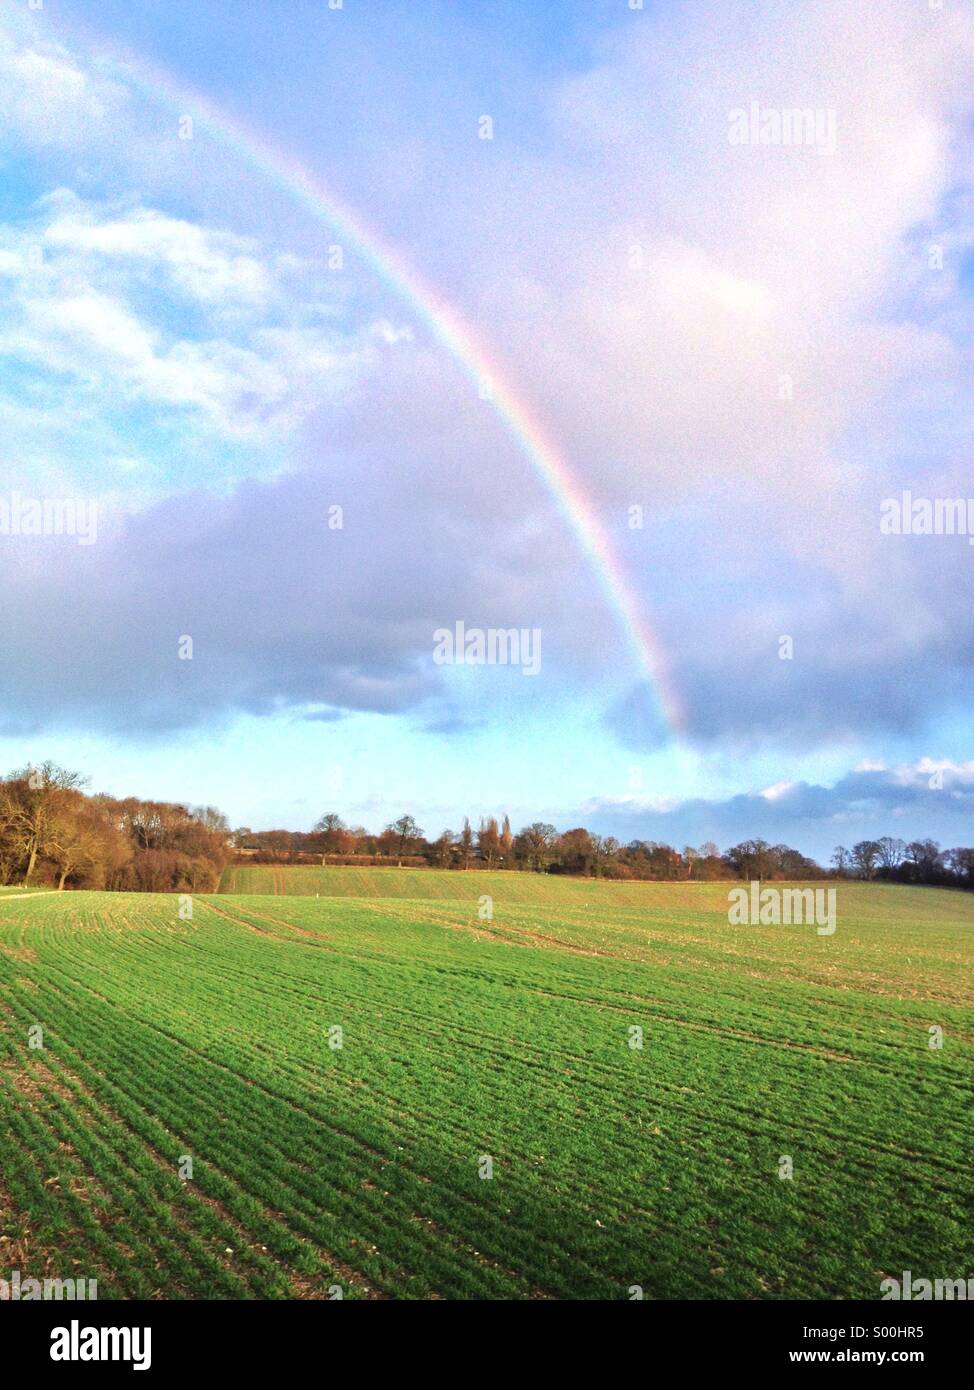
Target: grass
x,y
467,1037
389,882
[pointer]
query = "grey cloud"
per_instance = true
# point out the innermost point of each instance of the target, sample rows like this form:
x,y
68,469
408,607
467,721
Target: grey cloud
x,y
861,805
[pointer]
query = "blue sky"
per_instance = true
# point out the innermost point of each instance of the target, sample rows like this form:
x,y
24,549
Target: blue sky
x,y
755,344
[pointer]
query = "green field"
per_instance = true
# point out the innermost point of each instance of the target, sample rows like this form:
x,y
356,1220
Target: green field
x,y
546,890
467,1038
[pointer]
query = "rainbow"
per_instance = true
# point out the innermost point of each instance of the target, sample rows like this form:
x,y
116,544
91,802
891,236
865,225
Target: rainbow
x,y
447,327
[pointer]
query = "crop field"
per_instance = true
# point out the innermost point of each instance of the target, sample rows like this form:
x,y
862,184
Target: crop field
x,y
546,890
385,1090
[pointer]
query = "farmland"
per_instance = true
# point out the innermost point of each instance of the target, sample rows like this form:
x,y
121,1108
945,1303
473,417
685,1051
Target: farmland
x,y
486,1129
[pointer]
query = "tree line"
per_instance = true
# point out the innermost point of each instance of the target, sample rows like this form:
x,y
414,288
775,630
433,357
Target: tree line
x,y
538,847
906,861
543,849
54,834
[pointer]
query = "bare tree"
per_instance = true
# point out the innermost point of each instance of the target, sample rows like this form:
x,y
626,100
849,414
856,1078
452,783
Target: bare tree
x,y
489,841
443,850
36,793
333,834
507,839
891,852
926,858
407,832
536,842
752,858
604,848
465,841
865,856
73,843
842,860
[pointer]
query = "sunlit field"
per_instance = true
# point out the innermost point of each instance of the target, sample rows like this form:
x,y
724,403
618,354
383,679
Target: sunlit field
x,y
430,1085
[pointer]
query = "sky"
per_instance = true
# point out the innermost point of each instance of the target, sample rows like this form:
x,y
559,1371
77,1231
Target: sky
x,y
338,327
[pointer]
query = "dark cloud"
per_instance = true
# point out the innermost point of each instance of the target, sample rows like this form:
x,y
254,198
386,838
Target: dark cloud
x,y
863,804
864,635
285,611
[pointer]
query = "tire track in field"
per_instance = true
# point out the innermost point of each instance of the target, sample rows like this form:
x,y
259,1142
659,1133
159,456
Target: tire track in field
x,y
677,1020
502,1050
509,936
304,936
717,1030
877,1065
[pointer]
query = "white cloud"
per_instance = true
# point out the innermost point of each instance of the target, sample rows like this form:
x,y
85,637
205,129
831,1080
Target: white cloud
x,y
48,99
777,790
631,804
97,324
923,769
214,267
682,283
